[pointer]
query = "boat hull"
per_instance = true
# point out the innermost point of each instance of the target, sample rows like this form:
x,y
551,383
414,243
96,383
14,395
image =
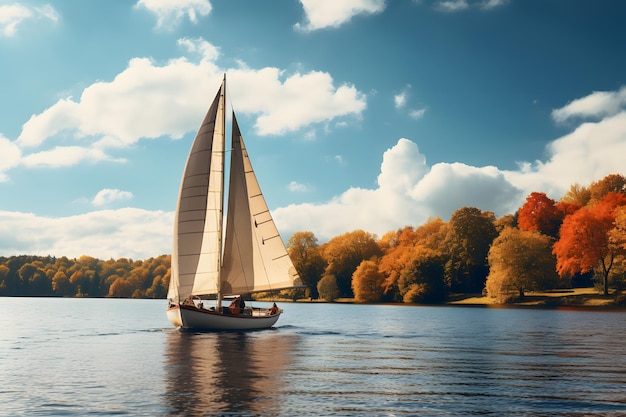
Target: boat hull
x,y
187,317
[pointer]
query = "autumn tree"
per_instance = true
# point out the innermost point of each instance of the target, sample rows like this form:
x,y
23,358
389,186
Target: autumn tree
x,y
367,282
617,239
584,240
540,213
4,274
401,247
61,284
520,260
327,288
344,253
469,237
613,183
305,254
577,194
422,279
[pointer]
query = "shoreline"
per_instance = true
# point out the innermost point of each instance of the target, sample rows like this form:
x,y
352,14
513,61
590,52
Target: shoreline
x,y
577,298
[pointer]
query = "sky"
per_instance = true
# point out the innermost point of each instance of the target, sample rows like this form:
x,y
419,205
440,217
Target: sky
x,y
357,114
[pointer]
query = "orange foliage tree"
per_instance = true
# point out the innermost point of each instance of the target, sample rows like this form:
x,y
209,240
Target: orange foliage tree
x,y
584,239
344,253
401,247
367,282
540,213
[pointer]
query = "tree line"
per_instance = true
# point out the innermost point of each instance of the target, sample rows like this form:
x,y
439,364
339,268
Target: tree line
x,y
577,241
84,277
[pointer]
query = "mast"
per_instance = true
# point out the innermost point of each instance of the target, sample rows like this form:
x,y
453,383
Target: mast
x,y
221,219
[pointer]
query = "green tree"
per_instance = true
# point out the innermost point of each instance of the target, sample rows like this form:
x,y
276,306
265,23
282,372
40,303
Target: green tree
x,y
469,237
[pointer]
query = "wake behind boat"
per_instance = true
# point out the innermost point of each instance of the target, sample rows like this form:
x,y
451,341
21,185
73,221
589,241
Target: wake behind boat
x,y
208,265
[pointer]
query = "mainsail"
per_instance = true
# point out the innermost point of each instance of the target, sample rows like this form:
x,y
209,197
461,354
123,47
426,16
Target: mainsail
x,y
252,257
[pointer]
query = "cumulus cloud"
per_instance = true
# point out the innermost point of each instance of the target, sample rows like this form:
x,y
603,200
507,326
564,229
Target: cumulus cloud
x,y
109,195
170,13
410,191
147,100
128,233
321,14
12,15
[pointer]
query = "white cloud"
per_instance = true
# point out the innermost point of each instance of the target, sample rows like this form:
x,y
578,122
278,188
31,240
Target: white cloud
x,y
416,113
12,15
65,156
149,101
399,100
296,187
452,5
128,233
321,14
10,156
409,191
170,13
595,105
492,4
460,5
109,195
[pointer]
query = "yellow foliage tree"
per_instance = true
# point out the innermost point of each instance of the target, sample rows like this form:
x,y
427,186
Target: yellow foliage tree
x,y
367,282
520,260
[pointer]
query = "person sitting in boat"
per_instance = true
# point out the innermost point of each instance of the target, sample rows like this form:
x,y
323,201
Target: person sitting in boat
x,y
273,309
189,301
237,305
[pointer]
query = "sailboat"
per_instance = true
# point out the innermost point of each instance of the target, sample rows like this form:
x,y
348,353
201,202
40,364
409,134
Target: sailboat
x,y
210,264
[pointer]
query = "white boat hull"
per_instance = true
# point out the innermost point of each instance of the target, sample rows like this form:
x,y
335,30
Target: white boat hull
x,y
200,319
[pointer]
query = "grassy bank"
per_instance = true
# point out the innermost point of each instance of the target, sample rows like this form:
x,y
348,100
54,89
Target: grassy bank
x,y
578,297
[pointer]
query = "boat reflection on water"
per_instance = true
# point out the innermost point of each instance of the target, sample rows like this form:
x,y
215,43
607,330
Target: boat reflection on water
x,y
226,372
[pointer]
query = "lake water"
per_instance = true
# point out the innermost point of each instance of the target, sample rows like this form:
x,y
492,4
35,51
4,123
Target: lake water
x,y
80,357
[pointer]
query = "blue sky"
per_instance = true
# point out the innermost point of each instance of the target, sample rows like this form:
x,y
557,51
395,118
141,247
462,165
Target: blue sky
x,y
358,114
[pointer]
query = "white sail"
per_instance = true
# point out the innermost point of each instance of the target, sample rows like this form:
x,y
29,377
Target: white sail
x,y
251,258
255,258
196,253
